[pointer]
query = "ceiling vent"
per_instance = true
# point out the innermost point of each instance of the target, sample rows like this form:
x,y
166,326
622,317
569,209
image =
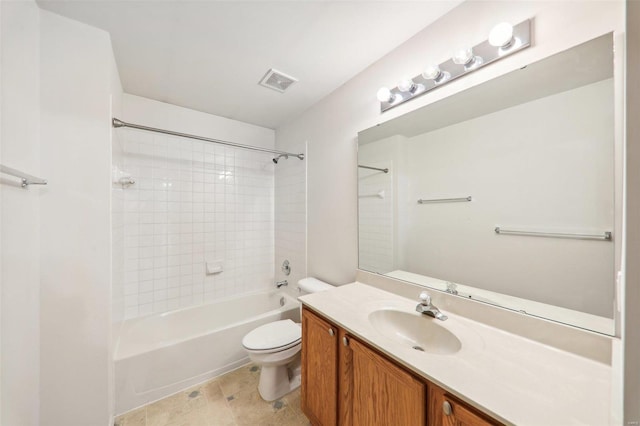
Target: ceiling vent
x,y
276,80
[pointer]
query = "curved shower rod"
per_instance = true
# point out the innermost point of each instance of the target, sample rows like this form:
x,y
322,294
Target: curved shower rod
x,y
119,123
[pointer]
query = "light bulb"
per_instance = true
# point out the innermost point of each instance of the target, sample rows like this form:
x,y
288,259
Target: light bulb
x,y
501,35
432,72
463,56
406,85
384,95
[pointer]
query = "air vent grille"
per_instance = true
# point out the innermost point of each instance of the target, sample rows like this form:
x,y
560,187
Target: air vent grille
x,y
276,80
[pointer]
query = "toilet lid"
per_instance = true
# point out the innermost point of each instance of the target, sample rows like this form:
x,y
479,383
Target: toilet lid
x,y
273,335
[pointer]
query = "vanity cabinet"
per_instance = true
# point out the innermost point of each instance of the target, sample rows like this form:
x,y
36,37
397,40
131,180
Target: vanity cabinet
x,y
347,383
319,393
446,410
382,393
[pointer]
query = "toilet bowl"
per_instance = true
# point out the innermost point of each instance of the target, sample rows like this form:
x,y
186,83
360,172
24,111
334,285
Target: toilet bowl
x,y
276,346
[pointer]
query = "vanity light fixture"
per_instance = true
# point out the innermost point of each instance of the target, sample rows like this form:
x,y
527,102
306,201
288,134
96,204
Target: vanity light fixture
x,y
504,39
501,35
467,58
463,56
433,72
384,95
407,85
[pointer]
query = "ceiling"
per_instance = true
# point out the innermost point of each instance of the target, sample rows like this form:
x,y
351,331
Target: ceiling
x,y
210,55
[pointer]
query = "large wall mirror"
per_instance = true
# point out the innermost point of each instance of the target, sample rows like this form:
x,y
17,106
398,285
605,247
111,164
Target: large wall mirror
x,y
504,193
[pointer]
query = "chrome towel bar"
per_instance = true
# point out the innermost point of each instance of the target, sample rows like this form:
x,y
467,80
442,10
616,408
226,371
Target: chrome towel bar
x,y
605,236
26,178
445,200
385,170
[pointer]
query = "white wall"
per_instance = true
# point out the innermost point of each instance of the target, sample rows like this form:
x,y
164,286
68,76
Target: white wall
x,y
19,210
194,202
117,205
331,125
75,296
117,235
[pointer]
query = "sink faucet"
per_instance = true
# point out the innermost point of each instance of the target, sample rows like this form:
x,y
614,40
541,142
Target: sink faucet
x,y
425,307
282,283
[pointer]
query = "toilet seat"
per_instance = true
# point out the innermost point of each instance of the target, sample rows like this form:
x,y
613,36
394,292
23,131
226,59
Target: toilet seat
x,y
273,337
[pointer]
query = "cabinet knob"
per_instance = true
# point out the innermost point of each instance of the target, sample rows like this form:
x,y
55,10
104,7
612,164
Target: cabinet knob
x,y
331,332
446,407
345,341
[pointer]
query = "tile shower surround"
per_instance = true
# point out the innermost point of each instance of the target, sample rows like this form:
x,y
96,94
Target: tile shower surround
x,y
194,202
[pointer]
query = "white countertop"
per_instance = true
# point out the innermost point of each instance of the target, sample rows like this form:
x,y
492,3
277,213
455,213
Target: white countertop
x,y
513,379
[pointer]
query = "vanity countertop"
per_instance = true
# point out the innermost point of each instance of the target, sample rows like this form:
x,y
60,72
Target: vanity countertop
x,y
511,378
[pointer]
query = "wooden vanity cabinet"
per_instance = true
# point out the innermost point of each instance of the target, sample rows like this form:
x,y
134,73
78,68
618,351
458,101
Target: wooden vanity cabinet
x,y
319,393
446,410
347,383
382,393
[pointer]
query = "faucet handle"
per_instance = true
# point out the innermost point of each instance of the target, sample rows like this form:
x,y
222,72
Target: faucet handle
x,y
425,298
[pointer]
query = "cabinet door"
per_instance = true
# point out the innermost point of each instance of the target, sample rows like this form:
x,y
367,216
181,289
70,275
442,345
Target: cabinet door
x,y
444,410
319,392
382,393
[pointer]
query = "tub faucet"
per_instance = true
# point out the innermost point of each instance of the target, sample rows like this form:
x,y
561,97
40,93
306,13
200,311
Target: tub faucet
x,y
425,307
282,283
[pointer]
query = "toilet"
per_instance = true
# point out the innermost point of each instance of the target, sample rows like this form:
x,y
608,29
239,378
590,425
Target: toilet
x,y
275,347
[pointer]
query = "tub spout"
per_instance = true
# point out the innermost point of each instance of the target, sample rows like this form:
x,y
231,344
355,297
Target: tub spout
x,y
282,283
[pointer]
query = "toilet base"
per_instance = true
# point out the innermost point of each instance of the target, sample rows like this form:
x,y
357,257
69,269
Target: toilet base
x,y
277,381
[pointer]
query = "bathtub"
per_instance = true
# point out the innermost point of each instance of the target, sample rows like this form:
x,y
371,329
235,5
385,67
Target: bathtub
x,y
162,354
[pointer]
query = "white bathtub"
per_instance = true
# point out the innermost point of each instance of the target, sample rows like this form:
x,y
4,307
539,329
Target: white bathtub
x,y
159,355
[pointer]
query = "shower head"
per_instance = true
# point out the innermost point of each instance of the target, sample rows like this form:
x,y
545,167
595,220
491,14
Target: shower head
x,y
275,160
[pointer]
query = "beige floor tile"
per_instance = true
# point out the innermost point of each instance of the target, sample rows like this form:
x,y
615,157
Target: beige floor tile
x,y
133,418
294,403
220,413
293,399
197,417
171,409
249,409
230,400
212,390
242,378
303,420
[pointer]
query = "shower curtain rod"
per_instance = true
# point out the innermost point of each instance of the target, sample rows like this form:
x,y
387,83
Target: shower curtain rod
x,y
119,123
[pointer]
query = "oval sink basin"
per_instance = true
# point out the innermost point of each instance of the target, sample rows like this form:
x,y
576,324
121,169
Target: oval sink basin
x,y
419,332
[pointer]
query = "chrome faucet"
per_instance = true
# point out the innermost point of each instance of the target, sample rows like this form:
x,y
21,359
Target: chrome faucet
x,y
425,307
282,283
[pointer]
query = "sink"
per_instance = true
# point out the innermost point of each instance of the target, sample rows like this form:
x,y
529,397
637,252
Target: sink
x,y
414,330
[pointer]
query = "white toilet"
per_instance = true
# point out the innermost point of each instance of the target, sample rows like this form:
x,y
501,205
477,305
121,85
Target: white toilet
x,y
275,347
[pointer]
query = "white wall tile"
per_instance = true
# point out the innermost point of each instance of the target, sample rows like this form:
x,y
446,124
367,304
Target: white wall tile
x,y
193,202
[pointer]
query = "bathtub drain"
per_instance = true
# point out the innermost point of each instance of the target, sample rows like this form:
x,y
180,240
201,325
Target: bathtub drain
x,y
282,301
418,348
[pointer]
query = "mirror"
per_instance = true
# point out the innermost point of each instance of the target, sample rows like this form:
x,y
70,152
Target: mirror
x,y
503,193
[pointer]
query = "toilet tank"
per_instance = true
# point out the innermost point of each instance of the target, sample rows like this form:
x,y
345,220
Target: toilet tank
x,y
312,285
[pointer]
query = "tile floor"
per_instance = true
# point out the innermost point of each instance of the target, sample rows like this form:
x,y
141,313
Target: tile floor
x,y
229,400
